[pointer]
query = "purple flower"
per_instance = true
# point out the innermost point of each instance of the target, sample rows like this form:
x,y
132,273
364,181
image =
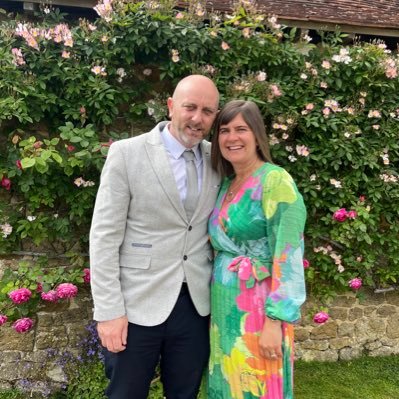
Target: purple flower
x,y
50,296
355,283
3,319
20,295
321,317
23,325
340,215
66,290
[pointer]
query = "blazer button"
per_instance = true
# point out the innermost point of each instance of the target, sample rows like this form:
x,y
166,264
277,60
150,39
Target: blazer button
x,y
185,257
190,228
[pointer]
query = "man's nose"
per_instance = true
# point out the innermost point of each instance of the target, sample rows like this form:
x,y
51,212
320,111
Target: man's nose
x,y
197,116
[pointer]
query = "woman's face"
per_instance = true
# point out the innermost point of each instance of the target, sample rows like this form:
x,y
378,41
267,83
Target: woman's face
x,y
237,142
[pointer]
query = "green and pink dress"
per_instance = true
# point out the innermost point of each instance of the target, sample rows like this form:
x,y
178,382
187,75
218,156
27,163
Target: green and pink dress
x,y
258,271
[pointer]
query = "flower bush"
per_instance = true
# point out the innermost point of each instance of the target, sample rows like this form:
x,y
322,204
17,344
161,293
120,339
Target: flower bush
x,y
69,90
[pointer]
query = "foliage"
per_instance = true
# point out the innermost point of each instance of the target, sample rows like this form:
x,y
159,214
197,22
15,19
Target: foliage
x,y
38,278
331,110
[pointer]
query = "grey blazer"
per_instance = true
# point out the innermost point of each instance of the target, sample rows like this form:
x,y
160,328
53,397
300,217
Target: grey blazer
x,y
141,243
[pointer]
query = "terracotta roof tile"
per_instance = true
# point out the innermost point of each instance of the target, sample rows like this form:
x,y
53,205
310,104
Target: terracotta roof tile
x,y
371,13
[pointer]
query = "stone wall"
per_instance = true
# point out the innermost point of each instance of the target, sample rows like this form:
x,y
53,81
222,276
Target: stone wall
x,y
369,326
28,358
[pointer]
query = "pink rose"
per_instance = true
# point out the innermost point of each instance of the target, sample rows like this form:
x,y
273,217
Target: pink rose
x,y
70,148
20,295
66,290
3,319
86,276
362,198
340,215
321,317
38,144
6,183
306,263
22,325
18,164
352,214
50,296
356,283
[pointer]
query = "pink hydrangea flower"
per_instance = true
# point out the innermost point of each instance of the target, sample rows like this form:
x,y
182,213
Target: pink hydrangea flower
x,y
86,276
50,296
321,317
20,295
352,214
23,325
340,215
66,290
356,283
306,263
3,319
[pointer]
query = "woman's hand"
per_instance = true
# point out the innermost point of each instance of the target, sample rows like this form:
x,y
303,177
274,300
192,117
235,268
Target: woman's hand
x,y
270,340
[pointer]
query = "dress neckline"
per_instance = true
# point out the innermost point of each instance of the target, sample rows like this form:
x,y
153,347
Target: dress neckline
x,y
225,203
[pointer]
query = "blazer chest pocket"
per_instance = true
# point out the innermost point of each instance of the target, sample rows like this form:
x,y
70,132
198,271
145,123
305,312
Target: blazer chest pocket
x,y
135,261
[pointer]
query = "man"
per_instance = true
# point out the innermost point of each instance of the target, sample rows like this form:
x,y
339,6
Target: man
x,y
149,250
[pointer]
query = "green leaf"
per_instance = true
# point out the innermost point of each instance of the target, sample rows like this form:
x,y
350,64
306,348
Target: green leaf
x,y
57,158
27,162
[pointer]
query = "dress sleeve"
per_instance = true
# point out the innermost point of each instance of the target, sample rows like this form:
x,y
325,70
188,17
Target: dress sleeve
x,y
285,215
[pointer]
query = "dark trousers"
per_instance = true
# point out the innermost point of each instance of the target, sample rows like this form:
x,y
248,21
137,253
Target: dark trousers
x,y
181,343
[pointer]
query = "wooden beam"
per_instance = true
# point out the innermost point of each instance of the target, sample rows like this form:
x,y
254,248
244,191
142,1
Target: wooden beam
x,y
68,3
344,28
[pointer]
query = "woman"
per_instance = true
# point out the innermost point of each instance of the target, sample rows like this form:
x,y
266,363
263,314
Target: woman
x,y
258,284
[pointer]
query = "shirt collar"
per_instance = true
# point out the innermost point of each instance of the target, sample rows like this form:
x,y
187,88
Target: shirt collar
x,y
174,147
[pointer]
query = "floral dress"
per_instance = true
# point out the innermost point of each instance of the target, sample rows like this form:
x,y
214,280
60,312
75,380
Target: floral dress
x,y
258,239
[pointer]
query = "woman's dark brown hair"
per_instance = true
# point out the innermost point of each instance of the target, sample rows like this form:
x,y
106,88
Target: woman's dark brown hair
x,y
253,118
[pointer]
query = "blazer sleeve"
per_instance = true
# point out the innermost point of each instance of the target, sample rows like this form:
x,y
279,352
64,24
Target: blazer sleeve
x,y
107,234
286,215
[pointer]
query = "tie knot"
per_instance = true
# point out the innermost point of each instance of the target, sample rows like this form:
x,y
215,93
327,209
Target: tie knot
x,y
188,155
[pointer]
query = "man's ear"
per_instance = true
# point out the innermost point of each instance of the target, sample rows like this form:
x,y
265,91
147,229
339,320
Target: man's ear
x,y
170,106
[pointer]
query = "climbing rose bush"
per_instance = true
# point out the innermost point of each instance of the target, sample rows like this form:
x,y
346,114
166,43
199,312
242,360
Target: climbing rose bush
x,y
71,89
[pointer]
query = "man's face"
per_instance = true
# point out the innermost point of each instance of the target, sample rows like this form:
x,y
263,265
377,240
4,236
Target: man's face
x,y
192,110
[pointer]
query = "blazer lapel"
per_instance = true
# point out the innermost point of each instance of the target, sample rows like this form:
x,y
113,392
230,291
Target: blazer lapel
x,y
160,163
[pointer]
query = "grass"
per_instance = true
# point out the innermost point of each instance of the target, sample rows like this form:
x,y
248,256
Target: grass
x,y
363,378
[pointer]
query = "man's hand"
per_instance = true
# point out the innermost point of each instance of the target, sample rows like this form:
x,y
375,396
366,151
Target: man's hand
x,y
113,333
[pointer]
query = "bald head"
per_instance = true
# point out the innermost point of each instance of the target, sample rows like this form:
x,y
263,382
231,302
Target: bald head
x,y
196,82
192,109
